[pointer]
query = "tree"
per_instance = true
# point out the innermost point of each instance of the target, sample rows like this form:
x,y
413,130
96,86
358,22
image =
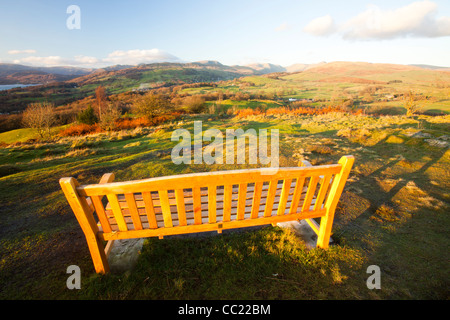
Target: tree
x,y
151,105
109,116
411,103
100,100
40,116
87,116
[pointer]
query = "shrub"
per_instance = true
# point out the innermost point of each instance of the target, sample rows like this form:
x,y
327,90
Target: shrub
x,y
194,104
79,130
293,111
152,105
132,123
87,116
109,117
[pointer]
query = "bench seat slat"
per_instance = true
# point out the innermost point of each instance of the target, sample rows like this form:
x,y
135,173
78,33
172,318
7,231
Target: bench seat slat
x,y
204,216
204,204
208,227
204,199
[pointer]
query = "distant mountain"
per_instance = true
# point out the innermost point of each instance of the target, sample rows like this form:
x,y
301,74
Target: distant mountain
x,y
206,70
370,73
16,73
208,63
302,67
113,68
130,77
264,68
426,66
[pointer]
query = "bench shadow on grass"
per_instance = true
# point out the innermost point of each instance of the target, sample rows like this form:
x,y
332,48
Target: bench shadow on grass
x,y
408,243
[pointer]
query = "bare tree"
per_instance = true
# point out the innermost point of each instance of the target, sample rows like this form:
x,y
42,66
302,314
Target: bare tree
x,y
109,116
411,103
100,99
40,116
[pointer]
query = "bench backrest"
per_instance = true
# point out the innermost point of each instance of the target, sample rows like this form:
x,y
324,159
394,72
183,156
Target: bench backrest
x,y
206,201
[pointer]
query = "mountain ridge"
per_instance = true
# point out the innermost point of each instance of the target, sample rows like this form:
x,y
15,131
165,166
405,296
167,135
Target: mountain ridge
x,y
17,73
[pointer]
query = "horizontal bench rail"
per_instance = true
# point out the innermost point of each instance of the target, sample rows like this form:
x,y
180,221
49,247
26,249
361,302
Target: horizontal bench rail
x,y
200,202
199,180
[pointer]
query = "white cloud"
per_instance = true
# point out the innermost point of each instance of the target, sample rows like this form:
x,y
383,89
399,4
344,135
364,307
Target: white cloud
x,y
322,26
29,51
418,19
283,27
85,60
135,57
130,57
49,61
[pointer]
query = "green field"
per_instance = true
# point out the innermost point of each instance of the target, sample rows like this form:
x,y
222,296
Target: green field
x,y
393,213
22,135
19,135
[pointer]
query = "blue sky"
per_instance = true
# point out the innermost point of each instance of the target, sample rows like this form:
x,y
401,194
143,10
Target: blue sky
x,y
233,32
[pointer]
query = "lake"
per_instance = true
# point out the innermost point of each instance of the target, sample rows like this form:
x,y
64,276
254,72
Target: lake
x,y
10,86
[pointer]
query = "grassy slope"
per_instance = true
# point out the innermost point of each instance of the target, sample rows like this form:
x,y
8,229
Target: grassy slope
x,y
325,79
18,135
392,214
114,83
22,135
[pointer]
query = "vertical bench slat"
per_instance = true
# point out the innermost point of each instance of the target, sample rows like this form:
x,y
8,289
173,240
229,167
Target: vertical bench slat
x,y
212,204
101,214
131,201
297,195
179,196
228,190
256,199
197,205
117,211
149,210
270,198
165,207
322,191
284,196
310,193
242,195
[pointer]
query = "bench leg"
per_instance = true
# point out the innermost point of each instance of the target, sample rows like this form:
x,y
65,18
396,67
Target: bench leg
x,y
86,220
323,238
98,254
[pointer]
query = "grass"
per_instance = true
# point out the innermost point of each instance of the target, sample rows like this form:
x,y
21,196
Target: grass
x,y
22,135
269,263
18,135
393,213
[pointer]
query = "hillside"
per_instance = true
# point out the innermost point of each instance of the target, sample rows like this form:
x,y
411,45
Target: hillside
x,y
366,84
16,73
338,71
116,80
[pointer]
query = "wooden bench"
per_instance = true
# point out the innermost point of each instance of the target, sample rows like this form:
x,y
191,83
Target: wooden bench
x,y
200,202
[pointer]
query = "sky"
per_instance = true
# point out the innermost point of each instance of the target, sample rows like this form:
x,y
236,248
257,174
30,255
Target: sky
x,y
100,33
